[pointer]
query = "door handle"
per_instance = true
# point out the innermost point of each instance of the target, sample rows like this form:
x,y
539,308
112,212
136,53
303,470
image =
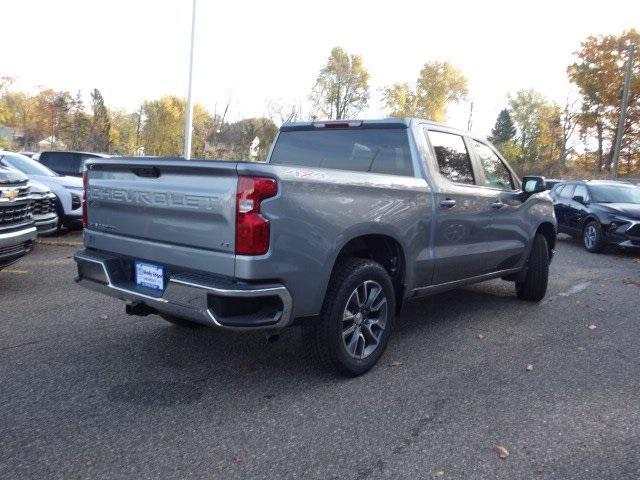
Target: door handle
x,y
497,204
447,203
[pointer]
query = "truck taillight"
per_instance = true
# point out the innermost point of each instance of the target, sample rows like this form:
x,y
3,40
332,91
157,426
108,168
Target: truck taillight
x,y
85,184
252,229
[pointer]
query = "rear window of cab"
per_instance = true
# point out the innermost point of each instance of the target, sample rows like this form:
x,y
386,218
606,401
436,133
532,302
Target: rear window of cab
x,y
372,150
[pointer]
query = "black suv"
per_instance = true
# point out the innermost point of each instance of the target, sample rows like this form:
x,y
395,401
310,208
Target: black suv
x,y
599,212
67,163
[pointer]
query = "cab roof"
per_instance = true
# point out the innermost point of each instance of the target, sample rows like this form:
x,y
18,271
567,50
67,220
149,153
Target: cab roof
x,y
390,122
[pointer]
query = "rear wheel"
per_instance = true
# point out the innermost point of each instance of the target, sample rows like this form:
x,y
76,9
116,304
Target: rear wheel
x,y
592,237
534,285
355,324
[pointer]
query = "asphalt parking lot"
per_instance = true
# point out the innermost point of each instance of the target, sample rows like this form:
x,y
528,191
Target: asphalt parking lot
x,y
88,392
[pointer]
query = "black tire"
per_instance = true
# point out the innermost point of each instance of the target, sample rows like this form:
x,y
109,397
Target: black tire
x,y
534,286
328,336
592,237
181,322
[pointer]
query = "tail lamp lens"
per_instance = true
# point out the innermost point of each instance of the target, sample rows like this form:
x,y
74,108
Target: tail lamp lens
x,y
252,229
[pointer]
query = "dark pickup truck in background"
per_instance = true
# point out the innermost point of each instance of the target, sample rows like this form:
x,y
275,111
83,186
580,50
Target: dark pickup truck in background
x,y
345,222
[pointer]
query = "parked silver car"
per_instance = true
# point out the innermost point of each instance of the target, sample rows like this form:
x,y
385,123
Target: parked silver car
x,y
68,190
44,208
17,229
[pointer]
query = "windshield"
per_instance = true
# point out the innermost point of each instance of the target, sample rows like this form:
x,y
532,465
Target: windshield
x,y
27,165
615,194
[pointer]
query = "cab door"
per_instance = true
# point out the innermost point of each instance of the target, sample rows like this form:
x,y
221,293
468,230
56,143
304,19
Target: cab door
x,y
576,211
504,228
563,208
458,240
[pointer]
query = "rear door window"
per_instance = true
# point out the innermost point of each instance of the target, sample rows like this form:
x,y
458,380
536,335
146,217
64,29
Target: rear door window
x,y
452,156
581,190
63,162
567,191
381,150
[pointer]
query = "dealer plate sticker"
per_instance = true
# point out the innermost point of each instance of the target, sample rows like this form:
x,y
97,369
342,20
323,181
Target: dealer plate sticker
x,y
149,275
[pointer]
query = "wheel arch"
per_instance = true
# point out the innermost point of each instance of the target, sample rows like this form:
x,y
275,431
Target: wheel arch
x,y
550,233
383,248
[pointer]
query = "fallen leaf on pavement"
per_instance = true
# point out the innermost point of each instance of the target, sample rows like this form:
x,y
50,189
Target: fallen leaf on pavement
x,y
395,364
502,452
592,327
529,367
539,469
630,281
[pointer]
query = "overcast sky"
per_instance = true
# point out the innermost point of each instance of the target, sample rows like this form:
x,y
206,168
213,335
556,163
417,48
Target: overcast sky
x,y
257,51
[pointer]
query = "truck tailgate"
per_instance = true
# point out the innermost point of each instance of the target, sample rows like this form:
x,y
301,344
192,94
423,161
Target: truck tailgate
x,y
173,202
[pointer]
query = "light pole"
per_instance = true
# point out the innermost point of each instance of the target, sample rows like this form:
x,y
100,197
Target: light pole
x,y
623,111
188,118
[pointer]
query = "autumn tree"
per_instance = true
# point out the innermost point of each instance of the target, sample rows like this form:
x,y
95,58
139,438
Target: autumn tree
x,y
342,86
438,85
598,71
235,140
163,127
123,136
544,134
5,111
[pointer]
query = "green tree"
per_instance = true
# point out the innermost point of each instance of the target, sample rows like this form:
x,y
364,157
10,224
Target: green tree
x,y
438,85
504,129
342,87
76,125
525,108
100,123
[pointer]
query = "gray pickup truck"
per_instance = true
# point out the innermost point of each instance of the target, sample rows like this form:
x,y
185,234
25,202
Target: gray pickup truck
x,y
344,222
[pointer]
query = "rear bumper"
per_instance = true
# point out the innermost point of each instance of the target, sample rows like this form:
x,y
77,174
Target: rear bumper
x,y
200,298
16,244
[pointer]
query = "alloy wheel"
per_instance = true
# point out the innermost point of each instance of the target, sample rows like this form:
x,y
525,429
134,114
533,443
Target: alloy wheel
x,y
364,319
590,236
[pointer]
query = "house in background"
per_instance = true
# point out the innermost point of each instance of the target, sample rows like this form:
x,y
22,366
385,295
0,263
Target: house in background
x,y
6,135
51,143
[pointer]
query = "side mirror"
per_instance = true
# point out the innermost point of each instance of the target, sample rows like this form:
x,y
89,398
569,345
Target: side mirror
x,y
579,199
533,184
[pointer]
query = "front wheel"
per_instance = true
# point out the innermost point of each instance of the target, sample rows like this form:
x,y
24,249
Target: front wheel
x,y
592,237
356,318
533,287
